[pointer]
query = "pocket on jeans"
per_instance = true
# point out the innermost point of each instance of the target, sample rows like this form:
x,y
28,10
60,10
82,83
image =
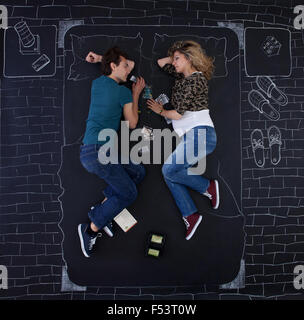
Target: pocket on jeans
x,y
89,163
87,149
88,157
87,146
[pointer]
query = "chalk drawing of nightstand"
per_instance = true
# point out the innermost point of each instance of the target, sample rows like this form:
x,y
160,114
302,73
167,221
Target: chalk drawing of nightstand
x,y
29,51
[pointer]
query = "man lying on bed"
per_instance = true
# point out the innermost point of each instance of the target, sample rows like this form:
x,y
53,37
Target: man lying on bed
x,y
108,101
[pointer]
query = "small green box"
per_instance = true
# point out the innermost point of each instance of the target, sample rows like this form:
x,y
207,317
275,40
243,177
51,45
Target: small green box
x,y
153,252
155,243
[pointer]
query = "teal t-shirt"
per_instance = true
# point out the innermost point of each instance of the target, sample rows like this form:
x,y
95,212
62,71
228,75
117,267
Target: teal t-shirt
x,y
107,101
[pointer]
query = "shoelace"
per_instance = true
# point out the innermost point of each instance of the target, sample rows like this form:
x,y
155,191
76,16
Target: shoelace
x,y
186,223
274,139
257,144
93,240
109,226
207,194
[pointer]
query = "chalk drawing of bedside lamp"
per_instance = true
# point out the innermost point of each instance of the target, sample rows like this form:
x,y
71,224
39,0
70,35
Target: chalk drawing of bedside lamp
x,y
3,17
28,42
33,46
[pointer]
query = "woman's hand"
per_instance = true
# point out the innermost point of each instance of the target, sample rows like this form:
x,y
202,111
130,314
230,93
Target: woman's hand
x,y
93,57
154,106
162,62
138,86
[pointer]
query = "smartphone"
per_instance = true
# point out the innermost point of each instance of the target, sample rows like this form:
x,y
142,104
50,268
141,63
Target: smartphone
x,y
41,62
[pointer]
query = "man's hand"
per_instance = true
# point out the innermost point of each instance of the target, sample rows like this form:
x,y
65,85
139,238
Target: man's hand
x,y
130,110
93,57
138,86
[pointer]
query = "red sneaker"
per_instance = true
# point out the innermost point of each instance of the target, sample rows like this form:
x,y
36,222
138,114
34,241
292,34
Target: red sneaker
x,y
192,223
213,194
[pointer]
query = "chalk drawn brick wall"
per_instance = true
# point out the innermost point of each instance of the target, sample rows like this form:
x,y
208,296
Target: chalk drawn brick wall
x,y
32,136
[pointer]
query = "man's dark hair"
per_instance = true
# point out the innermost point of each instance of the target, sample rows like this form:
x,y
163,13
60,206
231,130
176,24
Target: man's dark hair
x,y
111,55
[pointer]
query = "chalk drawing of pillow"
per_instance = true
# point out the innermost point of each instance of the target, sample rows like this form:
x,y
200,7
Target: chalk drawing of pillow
x,y
214,47
82,45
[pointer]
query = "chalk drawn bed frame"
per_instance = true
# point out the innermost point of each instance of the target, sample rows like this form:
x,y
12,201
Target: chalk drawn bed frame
x,y
214,254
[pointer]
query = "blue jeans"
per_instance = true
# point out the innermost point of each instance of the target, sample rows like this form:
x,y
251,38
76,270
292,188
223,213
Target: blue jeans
x,y
121,190
176,175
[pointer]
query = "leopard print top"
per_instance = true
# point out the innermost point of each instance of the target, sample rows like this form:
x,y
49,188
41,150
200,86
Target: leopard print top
x,y
190,93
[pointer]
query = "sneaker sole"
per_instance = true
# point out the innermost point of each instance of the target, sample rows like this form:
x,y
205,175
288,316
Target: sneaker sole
x,y
81,241
217,194
194,228
108,231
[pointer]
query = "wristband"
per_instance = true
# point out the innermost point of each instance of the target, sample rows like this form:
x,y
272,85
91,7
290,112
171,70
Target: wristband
x,y
161,111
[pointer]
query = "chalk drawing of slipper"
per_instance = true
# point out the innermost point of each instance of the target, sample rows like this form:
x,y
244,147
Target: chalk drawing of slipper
x,y
258,147
275,142
259,102
271,90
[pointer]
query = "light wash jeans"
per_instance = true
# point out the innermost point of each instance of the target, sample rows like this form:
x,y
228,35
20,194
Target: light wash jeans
x,y
176,175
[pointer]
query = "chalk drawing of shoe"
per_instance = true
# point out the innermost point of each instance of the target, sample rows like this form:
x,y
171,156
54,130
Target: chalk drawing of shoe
x,y
271,90
258,147
259,102
275,142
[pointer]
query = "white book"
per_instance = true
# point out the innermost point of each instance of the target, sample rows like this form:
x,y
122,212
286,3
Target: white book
x,y
125,220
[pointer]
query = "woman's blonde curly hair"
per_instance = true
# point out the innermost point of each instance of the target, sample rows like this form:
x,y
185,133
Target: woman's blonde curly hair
x,y
196,54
